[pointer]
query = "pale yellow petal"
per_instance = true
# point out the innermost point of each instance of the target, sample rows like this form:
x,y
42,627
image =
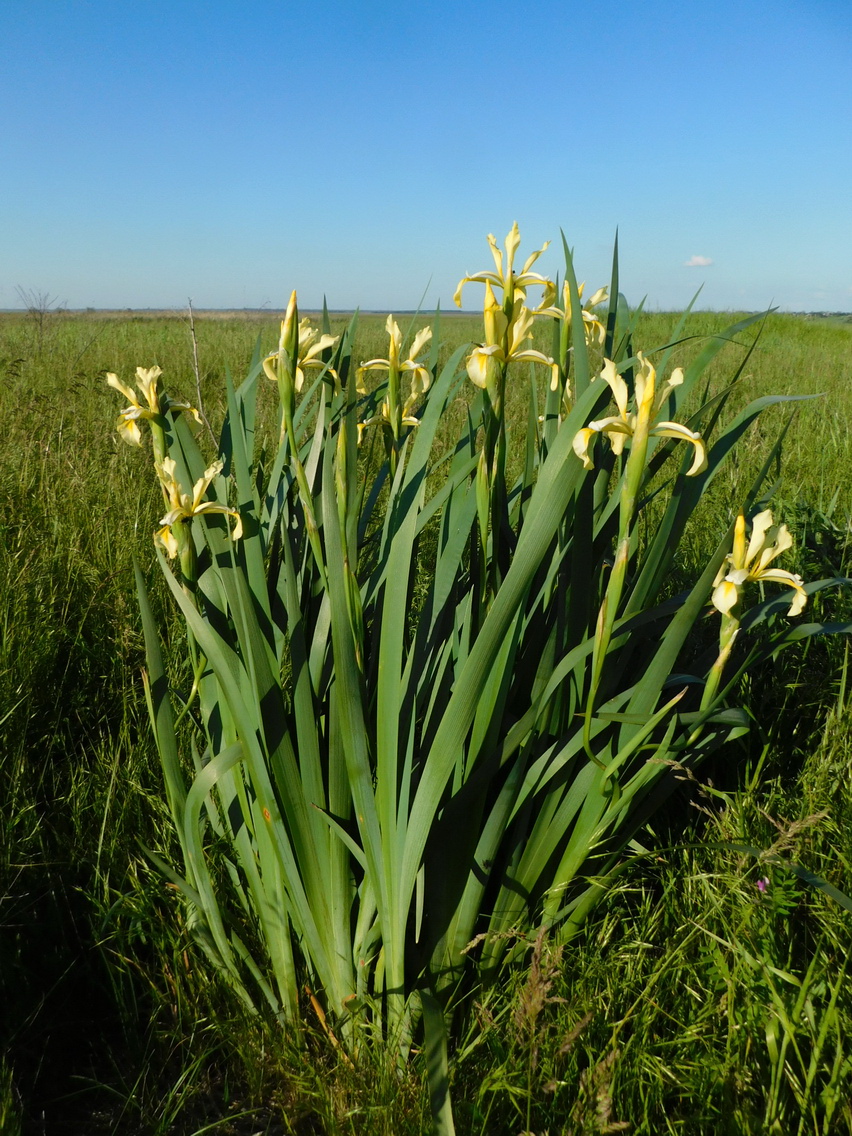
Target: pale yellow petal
x,y
781,543
146,380
738,554
581,446
597,298
530,356
674,380
616,430
645,386
684,434
760,526
533,257
165,538
513,241
375,365
115,382
498,257
617,385
725,596
129,431
422,337
201,486
483,364
779,576
421,379
477,278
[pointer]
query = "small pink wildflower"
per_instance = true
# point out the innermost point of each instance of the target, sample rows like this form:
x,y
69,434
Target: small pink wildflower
x,y
762,884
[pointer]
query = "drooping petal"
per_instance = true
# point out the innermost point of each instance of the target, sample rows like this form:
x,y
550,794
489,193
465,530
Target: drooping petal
x,y
375,365
421,378
594,329
533,279
530,356
165,538
176,515
477,278
779,576
616,430
129,431
684,434
184,406
483,364
581,446
725,596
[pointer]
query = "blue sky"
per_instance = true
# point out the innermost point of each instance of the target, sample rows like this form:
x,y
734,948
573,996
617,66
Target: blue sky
x,y
156,151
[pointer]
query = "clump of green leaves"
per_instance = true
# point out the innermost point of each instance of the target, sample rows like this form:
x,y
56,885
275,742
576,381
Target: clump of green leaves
x,y
388,803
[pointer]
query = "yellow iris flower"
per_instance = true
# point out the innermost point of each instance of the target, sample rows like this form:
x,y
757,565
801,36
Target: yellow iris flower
x,y
419,376
184,507
309,348
147,380
592,325
511,283
750,564
485,362
628,424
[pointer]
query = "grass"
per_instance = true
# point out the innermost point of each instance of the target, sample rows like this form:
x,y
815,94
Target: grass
x,y
695,1002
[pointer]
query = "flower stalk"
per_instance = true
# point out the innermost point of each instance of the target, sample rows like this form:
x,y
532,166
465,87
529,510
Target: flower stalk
x,y
639,426
300,348
396,417
508,331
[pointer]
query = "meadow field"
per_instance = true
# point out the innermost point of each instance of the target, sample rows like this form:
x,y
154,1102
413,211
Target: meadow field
x,y
706,993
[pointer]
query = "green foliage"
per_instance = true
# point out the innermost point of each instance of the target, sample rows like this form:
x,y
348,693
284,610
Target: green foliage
x,y
99,977
389,801
708,996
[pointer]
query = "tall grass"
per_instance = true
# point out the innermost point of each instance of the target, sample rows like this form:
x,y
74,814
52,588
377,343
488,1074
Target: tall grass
x,y
91,937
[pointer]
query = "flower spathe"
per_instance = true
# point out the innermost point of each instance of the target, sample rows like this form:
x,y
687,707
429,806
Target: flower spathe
x,y
639,423
147,380
750,564
512,283
184,507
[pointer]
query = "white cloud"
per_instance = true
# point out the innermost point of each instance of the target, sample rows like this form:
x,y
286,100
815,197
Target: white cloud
x,y
698,262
